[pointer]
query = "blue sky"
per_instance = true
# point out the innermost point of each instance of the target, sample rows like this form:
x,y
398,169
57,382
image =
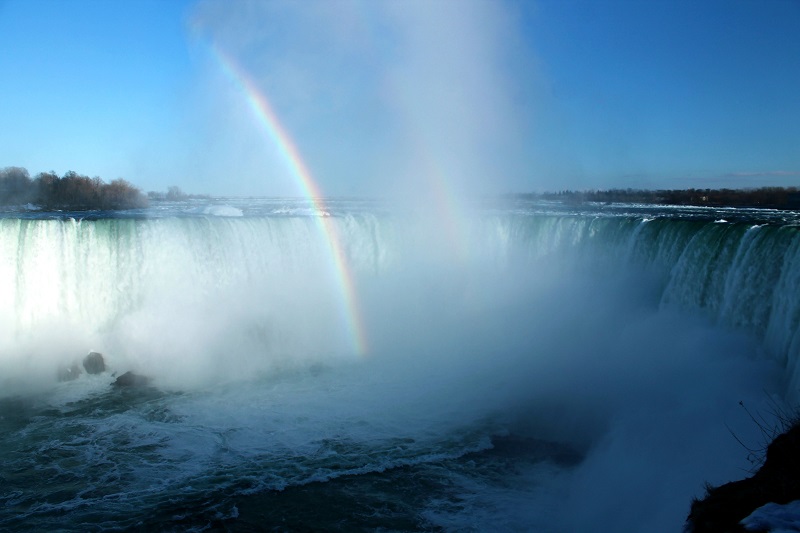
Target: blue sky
x,y
497,96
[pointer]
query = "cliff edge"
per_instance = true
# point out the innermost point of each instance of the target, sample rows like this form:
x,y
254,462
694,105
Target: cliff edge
x,y
777,481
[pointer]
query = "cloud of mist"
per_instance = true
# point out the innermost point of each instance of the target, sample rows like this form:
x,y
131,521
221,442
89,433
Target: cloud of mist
x,y
647,394
380,97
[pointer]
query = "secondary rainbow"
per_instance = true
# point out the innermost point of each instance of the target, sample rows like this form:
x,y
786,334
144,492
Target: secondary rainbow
x,y
267,117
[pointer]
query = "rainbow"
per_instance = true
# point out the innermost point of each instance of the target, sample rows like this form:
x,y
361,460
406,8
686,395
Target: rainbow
x,y
446,202
268,119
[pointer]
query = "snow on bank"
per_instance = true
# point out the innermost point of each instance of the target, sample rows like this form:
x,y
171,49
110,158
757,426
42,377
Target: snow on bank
x,y
775,518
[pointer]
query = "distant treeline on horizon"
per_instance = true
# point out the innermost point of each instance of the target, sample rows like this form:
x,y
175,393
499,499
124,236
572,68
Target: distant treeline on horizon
x,y
70,191
763,197
74,191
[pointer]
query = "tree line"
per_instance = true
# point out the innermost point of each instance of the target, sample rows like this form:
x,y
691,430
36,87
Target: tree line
x,y
763,197
174,194
71,191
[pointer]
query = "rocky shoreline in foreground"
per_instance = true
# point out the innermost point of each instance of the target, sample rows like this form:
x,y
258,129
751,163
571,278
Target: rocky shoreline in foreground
x,y
725,509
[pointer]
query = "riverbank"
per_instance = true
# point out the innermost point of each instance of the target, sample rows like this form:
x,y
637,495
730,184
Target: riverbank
x,y
730,507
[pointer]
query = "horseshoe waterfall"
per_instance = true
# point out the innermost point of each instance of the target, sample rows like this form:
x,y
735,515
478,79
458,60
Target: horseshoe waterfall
x,y
378,366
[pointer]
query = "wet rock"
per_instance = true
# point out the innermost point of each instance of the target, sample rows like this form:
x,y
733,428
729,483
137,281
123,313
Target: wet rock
x,y
68,373
778,481
129,379
94,363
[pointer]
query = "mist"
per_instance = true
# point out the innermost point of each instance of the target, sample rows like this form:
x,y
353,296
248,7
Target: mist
x,y
382,99
648,395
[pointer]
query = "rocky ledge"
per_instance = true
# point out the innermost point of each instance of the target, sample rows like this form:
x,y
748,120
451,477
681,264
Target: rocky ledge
x,y
129,379
777,481
94,363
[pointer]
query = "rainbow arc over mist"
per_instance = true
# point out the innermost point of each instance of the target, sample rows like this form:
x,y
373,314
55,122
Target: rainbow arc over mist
x,y
268,119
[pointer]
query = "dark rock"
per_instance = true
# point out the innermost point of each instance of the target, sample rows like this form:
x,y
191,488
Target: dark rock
x,y
68,373
778,481
94,363
129,379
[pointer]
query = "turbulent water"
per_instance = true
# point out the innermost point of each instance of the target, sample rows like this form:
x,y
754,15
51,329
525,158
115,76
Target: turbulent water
x,y
529,366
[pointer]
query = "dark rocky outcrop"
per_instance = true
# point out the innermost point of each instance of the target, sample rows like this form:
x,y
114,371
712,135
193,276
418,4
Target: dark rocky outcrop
x,y
778,481
94,363
69,372
129,379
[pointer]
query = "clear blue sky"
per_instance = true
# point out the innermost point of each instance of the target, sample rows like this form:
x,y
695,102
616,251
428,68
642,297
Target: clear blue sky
x,y
497,96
